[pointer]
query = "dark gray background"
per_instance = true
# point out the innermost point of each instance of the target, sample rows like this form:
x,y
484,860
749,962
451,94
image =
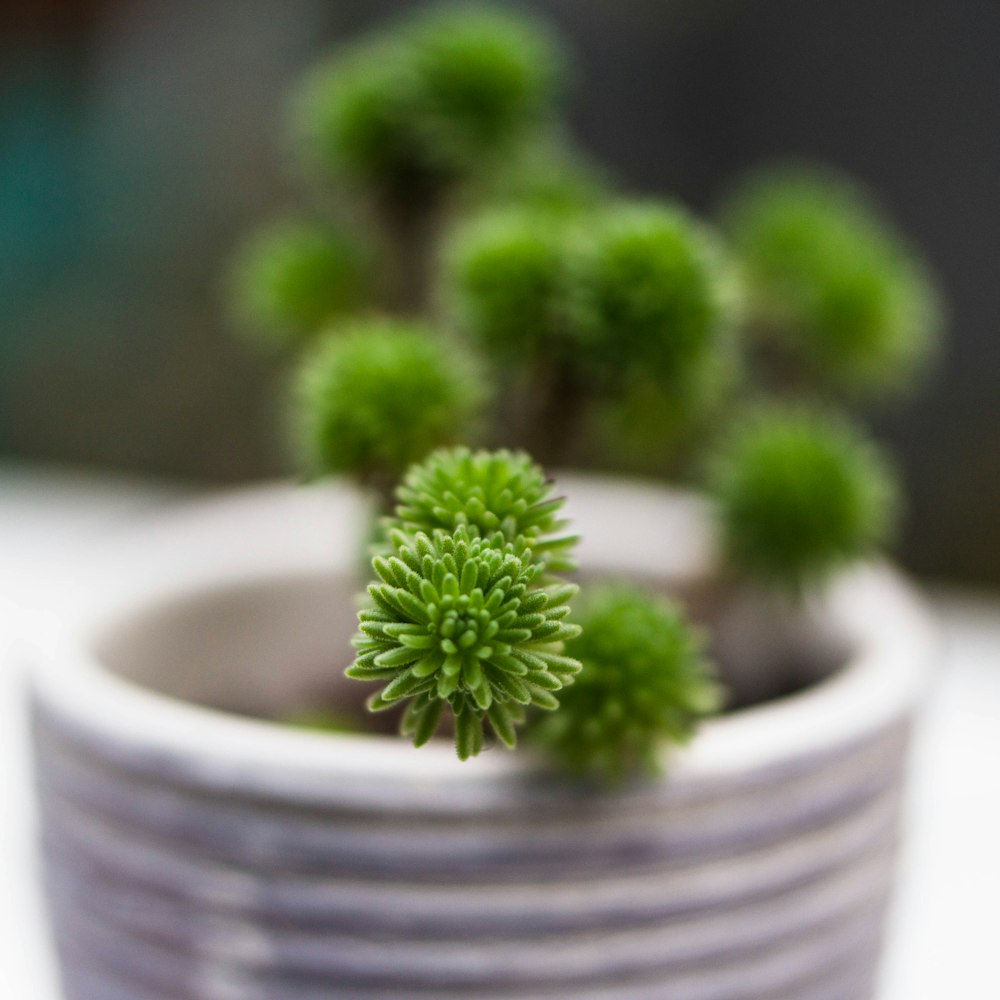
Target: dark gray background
x,y
138,140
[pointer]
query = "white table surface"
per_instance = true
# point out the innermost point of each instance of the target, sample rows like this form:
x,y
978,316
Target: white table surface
x,y
943,931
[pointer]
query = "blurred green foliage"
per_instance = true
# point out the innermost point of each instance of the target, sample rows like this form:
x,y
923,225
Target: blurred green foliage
x,y
292,278
649,294
799,494
490,492
644,683
458,620
376,395
430,101
829,281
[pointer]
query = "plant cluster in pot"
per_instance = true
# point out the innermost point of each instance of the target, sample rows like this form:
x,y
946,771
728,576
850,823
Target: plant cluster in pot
x,y
712,731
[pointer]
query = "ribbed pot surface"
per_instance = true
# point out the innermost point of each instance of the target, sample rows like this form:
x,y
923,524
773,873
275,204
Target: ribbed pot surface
x,y
193,855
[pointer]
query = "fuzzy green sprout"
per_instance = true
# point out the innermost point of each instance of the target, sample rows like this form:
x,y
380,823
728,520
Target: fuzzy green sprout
x,y
459,621
375,395
490,491
486,76
505,281
292,278
435,98
799,494
829,281
644,683
589,306
651,294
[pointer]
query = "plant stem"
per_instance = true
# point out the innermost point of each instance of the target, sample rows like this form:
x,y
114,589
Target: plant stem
x,y
560,401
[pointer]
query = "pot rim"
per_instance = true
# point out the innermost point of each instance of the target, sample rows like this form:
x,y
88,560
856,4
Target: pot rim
x,y
201,548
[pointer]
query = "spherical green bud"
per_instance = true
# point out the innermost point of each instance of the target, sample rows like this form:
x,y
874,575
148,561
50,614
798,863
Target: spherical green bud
x,y
490,491
651,294
505,281
830,281
459,620
378,394
431,100
485,76
798,495
353,116
644,683
290,279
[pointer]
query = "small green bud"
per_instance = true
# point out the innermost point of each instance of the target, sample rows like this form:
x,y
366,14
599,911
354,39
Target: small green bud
x,y
485,76
458,620
505,282
292,278
644,683
651,295
490,491
353,117
378,394
830,281
799,494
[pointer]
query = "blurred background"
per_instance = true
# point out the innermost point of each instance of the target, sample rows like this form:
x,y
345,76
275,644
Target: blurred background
x,y
141,139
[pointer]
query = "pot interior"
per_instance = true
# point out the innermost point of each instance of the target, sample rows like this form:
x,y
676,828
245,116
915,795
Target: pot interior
x,y
273,648
276,648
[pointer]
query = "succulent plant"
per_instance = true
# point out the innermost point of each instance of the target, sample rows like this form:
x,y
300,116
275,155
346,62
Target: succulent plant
x,y
615,329
459,620
799,494
485,77
429,102
829,281
375,395
505,280
353,120
592,306
650,294
492,492
292,278
644,683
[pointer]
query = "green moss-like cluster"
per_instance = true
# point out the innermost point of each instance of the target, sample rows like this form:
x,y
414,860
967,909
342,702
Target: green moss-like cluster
x,y
830,281
505,280
649,294
485,76
644,683
491,492
292,278
458,620
615,328
798,495
635,290
377,395
433,100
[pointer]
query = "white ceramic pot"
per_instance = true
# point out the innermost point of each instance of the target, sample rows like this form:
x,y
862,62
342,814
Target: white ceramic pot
x,y
192,853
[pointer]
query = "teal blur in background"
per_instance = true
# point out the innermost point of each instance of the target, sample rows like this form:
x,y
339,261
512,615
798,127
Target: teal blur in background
x,y
140,140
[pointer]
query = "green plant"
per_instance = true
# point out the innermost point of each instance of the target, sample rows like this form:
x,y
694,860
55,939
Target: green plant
x,y
376,395
460,619
490,492
618,330
504,281
649,293
799,494
432,101
292,278
830,284
644,683
590,305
